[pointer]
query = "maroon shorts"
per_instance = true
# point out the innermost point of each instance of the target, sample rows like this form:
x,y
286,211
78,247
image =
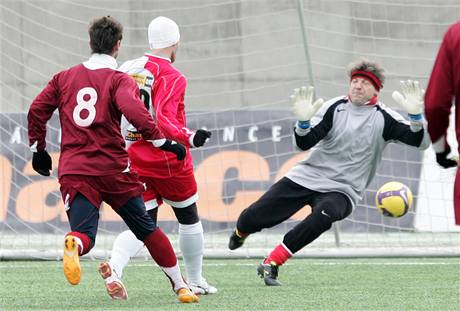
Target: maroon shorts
x,y
178,191
115,189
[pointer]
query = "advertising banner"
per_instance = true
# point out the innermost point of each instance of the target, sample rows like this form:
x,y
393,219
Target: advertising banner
x,y
248,152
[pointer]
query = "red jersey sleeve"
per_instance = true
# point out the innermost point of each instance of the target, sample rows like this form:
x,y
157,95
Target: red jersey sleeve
x,y
128,101
440,90
40,112
169,108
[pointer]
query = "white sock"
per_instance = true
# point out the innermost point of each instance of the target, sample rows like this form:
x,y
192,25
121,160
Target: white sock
x,y
79,243
126,245
175,276
191,245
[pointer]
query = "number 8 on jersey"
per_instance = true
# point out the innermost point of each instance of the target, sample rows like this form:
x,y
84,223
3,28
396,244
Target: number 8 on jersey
x,y
86,100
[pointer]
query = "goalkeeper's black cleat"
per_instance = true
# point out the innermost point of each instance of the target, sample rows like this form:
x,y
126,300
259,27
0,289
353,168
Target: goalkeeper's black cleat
x,y
269,272
235,241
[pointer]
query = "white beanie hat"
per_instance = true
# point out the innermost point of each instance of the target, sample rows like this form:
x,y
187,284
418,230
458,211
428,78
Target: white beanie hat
x,y
163,32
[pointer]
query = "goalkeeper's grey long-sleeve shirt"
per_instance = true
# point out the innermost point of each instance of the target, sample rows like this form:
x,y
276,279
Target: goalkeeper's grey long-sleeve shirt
x,y
349,141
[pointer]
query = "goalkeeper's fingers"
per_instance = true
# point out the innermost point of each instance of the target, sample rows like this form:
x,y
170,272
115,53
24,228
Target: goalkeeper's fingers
x,y
310,93
317,104
294,96
419,92
399,99
404,87
410,86
303,92
415,89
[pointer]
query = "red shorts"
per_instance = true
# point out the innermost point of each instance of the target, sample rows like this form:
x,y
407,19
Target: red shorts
x,y
115,189
177,191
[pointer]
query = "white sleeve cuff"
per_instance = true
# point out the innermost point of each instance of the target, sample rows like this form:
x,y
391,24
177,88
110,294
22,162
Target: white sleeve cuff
x,y
158,142
190,140
416,126
301,131
439,145
33,147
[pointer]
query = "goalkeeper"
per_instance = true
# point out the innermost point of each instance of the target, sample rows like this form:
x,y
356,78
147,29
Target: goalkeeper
x,y
350,133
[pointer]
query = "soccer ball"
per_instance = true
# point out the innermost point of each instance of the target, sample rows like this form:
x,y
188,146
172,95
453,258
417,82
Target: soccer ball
x,y
393,199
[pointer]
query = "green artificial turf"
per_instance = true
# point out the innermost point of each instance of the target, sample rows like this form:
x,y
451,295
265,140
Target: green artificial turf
x,y
308,284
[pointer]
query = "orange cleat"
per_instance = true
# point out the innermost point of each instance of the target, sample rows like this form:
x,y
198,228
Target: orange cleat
x,y
185,295
71,260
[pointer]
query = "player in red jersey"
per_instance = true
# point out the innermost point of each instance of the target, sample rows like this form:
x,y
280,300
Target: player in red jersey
x,y
443,90
162,88
93,166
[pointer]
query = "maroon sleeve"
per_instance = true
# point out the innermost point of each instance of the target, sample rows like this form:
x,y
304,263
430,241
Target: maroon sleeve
x,y
40,112
440,90
128,101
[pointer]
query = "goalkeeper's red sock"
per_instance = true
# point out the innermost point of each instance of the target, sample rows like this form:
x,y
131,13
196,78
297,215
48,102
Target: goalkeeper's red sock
x,y
279,255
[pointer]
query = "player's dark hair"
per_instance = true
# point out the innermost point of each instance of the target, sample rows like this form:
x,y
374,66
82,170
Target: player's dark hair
x,y
104,33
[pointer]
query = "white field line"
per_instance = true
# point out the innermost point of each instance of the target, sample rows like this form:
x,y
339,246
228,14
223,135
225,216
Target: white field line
x,y
240,264
329,264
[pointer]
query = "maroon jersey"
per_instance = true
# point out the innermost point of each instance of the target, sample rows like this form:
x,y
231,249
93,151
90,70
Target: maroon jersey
x,y
91,98
443,90
444,86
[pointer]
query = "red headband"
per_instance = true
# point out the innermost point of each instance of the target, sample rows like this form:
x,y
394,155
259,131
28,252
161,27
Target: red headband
x,y
369,76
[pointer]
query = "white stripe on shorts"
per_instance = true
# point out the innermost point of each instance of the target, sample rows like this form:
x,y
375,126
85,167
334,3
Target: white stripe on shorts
x,y
184,203
149,205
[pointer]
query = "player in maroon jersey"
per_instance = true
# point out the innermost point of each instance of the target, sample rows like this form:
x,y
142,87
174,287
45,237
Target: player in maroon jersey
x,y
93,167
442,92
162,88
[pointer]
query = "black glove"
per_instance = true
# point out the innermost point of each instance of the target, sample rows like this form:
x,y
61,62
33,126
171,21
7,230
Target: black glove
x,y
200,137
442,159
41,162
176,148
